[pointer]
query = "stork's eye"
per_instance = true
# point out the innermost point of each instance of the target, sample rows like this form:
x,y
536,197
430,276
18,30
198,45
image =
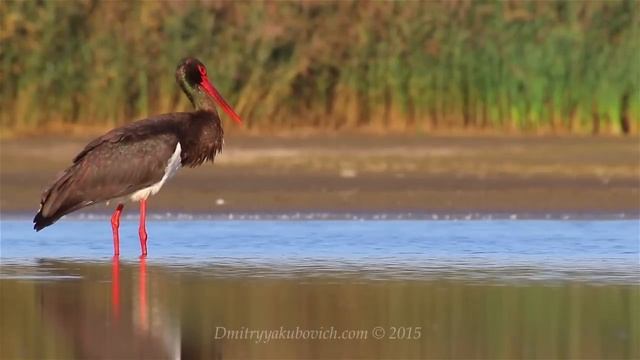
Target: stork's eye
x,y
202,70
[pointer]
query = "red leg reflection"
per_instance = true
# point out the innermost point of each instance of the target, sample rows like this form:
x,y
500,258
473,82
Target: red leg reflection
x,y
115,287
142,230
115,226
143,293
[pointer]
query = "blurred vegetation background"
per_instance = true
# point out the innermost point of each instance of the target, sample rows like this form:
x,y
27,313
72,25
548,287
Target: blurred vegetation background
x,y
531,66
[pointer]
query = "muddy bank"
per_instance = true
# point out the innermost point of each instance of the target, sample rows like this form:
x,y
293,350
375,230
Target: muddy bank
x,y
370,173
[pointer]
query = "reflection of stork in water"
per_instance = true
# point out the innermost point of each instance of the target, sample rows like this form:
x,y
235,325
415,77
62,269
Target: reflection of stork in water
x,y
142,291
130,329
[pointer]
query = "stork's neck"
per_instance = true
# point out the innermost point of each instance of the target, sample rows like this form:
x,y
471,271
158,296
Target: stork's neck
x,y
200,100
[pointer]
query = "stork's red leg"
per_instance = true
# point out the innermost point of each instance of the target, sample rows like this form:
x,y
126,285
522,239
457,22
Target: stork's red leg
x,y
142,230
115,225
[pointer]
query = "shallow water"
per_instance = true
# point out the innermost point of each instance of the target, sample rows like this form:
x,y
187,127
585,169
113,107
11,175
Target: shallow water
x,y
470,250
471,289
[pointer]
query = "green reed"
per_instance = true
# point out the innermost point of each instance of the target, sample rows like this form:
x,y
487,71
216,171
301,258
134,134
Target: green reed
x,y
562,66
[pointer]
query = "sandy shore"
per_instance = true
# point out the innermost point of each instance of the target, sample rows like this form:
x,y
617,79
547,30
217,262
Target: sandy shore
x,y
488,174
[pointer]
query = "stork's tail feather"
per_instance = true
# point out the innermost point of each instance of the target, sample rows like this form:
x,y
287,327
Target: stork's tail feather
x,y
51,208
55,201
40,222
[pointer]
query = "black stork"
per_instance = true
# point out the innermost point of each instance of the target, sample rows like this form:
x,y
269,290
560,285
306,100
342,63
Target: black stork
x,y
132,162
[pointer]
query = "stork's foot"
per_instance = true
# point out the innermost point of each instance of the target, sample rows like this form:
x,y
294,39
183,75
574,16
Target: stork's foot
x,y
115,228
142,232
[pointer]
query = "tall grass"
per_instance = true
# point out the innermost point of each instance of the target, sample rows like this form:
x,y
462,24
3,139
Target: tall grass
x,y
569,66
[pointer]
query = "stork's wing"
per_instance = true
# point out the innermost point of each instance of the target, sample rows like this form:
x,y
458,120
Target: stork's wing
x,y
160,124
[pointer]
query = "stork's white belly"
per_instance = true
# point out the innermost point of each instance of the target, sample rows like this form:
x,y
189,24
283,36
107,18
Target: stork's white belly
x,y
172,167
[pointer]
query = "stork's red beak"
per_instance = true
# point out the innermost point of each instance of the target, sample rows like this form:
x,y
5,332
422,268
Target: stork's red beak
x,y
213,92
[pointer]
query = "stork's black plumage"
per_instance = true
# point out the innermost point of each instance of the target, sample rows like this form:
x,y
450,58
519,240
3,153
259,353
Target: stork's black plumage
x,y
136,159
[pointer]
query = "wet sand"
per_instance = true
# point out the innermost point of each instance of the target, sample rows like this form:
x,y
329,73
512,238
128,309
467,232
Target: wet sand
x,y
366,173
